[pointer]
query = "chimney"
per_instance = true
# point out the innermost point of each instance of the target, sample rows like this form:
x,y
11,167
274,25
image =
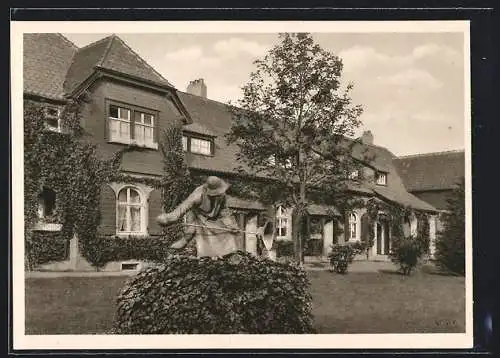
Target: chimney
x,y
198,88
367,137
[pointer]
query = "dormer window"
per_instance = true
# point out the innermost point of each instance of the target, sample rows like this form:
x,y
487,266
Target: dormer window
x,y
201,146
198,144
381,178
52,118
132,125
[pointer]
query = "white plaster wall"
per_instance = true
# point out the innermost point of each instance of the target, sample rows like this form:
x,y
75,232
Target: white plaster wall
x,y
251,239
327,237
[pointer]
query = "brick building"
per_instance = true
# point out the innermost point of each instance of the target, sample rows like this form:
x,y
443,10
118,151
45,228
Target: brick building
x,y
129,102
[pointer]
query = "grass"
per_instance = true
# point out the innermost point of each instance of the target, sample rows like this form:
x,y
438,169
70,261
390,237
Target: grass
x,y
382,302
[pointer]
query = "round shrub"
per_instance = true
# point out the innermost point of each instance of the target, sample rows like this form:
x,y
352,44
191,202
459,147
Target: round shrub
x,y
341,256
237,293
407,252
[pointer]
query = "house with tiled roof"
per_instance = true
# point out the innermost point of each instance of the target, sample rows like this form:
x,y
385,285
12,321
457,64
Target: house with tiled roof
x,y
432,176
128,102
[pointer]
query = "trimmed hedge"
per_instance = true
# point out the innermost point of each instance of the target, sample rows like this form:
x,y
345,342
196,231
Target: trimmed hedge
x,y
104,249
45,247
237,293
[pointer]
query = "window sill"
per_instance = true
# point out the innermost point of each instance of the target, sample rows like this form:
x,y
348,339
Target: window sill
x,y
134,143
40,226
201,154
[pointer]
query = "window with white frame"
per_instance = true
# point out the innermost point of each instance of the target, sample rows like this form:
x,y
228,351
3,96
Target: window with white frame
x,y
131,212
119,124
201,146
52,118
198,144
381,179
131,125
282,224
144,128
353,227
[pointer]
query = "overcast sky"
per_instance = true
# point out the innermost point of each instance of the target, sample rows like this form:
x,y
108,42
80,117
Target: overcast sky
x,y
410,85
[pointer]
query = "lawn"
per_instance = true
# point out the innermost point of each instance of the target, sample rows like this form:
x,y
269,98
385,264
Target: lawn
x,y
354,303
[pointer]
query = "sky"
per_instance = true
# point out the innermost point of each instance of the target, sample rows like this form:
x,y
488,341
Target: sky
x,y
411,85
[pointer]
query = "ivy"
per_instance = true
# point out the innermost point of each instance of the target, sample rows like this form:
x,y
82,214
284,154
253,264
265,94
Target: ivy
x,y
70,165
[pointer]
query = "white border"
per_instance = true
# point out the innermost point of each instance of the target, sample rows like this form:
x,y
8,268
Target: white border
x,y
357,341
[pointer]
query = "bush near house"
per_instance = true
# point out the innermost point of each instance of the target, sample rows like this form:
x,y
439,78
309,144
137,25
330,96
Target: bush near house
x,y
341,256
237,293
407,252
45,247
106,249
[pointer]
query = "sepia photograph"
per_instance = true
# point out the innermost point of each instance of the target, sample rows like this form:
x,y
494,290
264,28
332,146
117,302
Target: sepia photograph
x,y
304,182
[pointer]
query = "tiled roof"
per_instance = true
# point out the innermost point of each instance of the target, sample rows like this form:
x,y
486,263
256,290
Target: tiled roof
x,y
46,60
217,117
113,54
54,66
431,171
199,129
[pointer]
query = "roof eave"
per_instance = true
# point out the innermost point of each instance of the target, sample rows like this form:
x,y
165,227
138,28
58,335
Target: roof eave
x,y
100,72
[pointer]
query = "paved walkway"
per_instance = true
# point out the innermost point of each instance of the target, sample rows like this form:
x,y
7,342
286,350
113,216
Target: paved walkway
x,y
356,266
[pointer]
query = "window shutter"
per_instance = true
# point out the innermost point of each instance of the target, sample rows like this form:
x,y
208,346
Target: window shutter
x,y
107,225
155,208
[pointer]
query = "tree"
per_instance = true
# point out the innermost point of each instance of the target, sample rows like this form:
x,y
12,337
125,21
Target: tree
x,y
292,124
450,243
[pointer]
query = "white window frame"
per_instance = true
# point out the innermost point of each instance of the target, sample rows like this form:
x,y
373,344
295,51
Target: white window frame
x,y
185,143
143,125
119,120
199,148
283,220
353,222
143,211
47,116
381,178
130,120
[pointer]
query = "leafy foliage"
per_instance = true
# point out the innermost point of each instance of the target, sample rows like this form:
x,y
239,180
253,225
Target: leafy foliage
x,y
341,255
118,248
237,293
407,253
292,124
70,166
46,247
450,243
